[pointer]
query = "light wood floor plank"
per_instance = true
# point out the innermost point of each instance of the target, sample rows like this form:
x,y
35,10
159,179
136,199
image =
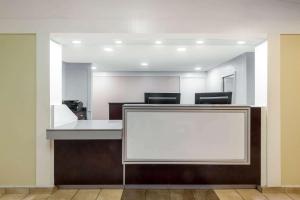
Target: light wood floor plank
x,y
251,194
182,195
89,194
110,194
157,195
13,196
37,197
228,195
205,195
294,195
17,191
2,191
63,194
276,196
131,194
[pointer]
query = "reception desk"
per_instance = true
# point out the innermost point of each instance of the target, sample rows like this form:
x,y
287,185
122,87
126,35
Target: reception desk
x,y
165,146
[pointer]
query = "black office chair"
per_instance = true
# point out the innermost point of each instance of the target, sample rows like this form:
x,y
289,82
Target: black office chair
x,y
213,98
162,98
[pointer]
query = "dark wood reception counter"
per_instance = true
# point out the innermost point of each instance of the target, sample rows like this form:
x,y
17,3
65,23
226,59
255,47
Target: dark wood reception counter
x,y
122,162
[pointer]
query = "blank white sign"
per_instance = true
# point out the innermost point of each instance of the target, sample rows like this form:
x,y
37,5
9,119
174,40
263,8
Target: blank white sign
x,y
207,136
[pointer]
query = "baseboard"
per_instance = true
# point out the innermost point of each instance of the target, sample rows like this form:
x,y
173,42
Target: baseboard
x,y
288,189
90,186
129,186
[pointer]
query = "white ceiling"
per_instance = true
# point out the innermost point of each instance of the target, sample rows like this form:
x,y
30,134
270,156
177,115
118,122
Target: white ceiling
x,y
139,48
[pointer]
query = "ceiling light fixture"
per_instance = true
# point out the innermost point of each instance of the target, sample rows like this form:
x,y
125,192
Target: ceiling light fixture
x,y
144,64
198,68
107,49
158,42
76,42
199,42
241,42
93,67
118,42
181,49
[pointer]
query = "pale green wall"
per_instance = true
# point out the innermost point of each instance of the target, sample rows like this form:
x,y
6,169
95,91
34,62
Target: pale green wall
x,y
18,109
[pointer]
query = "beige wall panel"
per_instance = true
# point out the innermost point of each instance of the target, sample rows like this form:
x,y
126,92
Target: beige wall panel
x,y
290,109
18,107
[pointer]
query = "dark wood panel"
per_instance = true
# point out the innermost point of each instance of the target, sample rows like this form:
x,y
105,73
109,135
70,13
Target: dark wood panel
x,y
88,162
204,174
115,109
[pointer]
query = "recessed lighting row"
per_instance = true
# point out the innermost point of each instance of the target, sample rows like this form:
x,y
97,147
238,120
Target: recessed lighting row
x,y
241,42
76,42
158,42
144,64
107,49
79,42
179,49
197,42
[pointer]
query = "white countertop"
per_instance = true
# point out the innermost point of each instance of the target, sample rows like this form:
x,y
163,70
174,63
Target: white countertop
x,y
86,130
91,125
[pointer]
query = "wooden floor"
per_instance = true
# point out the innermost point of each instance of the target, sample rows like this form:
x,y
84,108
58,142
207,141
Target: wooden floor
x,y
128,194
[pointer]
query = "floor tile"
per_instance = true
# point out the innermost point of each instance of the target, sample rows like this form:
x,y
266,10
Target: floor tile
x,y
110,194
13,196
157,195
251,194
63,194
228,195
88,194
131,194
277,196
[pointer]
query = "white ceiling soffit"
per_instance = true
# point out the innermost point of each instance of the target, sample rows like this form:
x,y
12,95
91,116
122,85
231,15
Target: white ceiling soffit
x,y
141,48
155,16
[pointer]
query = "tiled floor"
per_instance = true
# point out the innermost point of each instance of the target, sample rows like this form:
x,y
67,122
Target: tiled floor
x,y
119,194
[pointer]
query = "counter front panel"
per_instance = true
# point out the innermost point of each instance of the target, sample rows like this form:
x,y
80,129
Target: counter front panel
x,y
204,174
186,135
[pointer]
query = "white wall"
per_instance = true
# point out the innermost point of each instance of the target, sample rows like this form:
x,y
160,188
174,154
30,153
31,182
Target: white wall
x,y
189,86
238,66
127,89
77,83
261,74
55,73
131,86
44,148
273,144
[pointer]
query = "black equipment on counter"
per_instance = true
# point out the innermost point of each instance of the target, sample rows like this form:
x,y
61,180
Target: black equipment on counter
x,y
77,108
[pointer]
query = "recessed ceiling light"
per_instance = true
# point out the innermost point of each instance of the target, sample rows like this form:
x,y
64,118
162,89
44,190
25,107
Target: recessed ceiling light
x,y
107,49
144,64
181,49
93,67
158,42
118,42
199,42
198,68
76,42
241,42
